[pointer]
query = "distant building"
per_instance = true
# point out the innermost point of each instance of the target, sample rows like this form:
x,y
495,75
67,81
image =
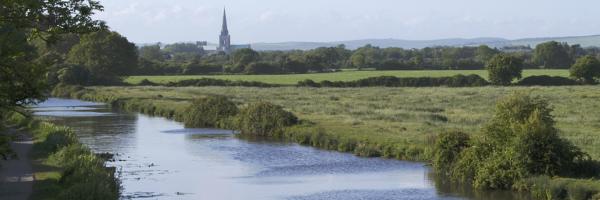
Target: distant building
x,y
225,39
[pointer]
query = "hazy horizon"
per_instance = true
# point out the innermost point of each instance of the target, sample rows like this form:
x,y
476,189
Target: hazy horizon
x,y
149,21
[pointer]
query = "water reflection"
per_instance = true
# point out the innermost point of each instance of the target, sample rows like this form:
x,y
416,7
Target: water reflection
x,y
160,159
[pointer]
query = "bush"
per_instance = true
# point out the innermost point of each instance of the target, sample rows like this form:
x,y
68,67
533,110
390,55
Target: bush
x,y
544,80
586,69
447,148
392,81
518,142
209,111
217,82
264,119
147,82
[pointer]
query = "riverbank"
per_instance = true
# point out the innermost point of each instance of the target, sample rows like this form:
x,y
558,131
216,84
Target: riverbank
x,y
61,167
388,122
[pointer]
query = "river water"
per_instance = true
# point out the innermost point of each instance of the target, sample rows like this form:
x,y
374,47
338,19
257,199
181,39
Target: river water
x,y
157,158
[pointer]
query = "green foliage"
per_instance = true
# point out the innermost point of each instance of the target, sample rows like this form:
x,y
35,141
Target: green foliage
x,y
106,55
22,82
518,142
586,69
210,111
503,69
447,148
344,75
217,82
242,58
261,68
83,174
553,55
152,53
74,75
547,188
196,67
264,119
545,80
391,81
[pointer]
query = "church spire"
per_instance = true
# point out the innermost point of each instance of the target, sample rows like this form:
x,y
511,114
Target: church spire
x,y
224,30
224,38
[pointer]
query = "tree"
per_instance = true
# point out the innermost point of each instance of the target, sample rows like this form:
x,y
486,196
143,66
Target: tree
x,y
22,81
107,56
74,75
503,69
553,55
586,69
367,56
261,68
152,53
242,58
484,53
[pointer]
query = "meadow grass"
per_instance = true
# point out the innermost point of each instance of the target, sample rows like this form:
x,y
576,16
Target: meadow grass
x,y
349,75
397,116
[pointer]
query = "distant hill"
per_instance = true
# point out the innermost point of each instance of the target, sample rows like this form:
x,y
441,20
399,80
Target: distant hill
x,y
585,41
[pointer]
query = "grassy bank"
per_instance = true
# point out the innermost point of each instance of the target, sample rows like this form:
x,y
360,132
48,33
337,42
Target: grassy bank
x,y
408,117
398,123
64,168
291,79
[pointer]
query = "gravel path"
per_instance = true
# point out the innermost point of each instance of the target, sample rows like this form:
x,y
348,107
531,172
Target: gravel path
x,y
16,175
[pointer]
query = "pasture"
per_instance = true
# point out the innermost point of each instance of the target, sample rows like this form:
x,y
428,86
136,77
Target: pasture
x,y
402,116
350,75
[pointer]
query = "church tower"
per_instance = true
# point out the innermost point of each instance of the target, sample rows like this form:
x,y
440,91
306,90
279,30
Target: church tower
x,y
224,38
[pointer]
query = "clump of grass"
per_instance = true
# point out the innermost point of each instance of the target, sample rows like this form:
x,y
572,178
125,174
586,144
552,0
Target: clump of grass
x,y
264,119
210,111
81,174
547,188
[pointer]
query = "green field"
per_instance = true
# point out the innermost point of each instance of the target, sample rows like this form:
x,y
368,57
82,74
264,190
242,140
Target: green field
x,y
291,79
398,116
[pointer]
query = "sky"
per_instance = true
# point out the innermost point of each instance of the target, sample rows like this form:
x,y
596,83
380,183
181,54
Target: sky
x,y
252,21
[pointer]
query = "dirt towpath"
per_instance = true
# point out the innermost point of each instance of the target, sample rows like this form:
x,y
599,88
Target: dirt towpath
x,y
16,175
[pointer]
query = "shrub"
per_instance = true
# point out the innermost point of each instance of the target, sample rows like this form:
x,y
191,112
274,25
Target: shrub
x,y
447,148
264,119
308,83
544,80
209,111
586,69
518,142
392,81
147,82
503,69
217,82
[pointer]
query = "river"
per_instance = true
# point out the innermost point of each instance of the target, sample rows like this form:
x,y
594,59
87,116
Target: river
x,y
157,158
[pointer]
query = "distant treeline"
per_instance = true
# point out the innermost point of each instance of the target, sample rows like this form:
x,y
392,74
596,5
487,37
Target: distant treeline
x,y
472,80
103,58
173,59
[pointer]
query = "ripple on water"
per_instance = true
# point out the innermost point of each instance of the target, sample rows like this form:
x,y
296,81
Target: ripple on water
x,y
406,194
